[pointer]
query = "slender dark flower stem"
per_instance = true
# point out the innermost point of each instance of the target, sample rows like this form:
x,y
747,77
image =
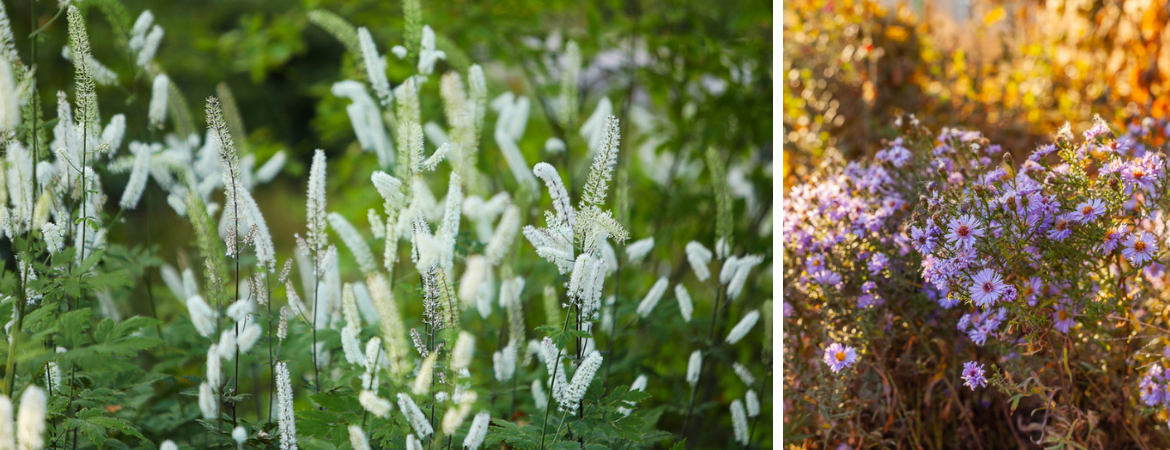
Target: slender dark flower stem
x,y
703,364
552,376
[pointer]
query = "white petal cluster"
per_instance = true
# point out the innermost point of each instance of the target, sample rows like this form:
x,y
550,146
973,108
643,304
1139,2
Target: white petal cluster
x,y
741,329
414,415
581,381
357,438
54,237
461,354
375,67
694,367
586,282
30,420
699,257
138,176
503,236
354,241
743,373
286,419
739,422
651,300
639,249
366,118
478,431
158,101
685,306
504,362
202,317
752,401
735,272
377,406
427,55
639,384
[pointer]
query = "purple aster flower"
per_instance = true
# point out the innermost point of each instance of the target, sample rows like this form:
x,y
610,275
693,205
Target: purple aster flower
x,y
923,240
828,278
973,375
1097,129
1042,151
1152,392
1139,247
963,231
869,287
815,262
1089,210
877,262
1032,290
986,287
1137,174
1062,319
839,356
1061,228
787,310
1114,237
866,301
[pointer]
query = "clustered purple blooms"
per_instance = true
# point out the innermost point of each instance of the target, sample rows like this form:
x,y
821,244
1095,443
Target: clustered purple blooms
x,y
973,375
839,356
980,325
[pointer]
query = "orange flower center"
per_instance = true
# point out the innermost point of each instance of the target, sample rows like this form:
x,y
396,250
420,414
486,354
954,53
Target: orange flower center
x,y
1139,246
840,356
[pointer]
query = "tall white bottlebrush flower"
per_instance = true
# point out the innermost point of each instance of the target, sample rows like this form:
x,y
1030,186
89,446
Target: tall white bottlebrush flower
x,y
739,422
477,88
261,238
9,97
240,435
515,160
685,306
412,443
414,415
593,130
427,54
581,381
30,421
226,349
114,132
503,236
208,403
461,354
454,417
138,176
377,406
83,73
354,241
375,67
694,367
504,362
53,376
474,276
741,329
390,322
168,445
349,308
538,395
366,118
699,257
54,236
752,401
743,373
357,438
232,176
349,343
639,249
563,206
597,184
271,168
284,408
7,432
424,379
248,337
478,431
149,46
742,268
202,317
315,204
158,101
652,297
